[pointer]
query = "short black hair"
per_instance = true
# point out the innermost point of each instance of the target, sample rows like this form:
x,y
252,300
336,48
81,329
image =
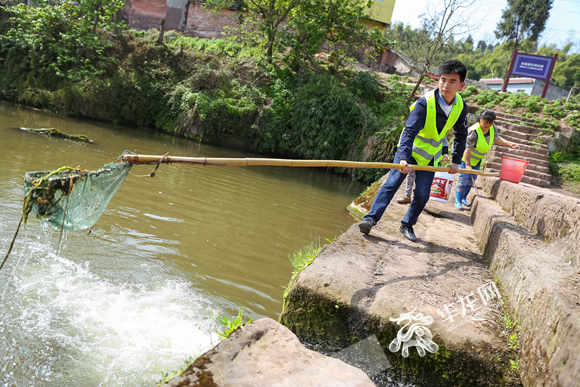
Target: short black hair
x,y
488,115
454,67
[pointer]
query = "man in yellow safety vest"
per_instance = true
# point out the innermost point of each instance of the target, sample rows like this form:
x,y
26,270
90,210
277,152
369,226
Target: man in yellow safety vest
x,y
482,135
421,143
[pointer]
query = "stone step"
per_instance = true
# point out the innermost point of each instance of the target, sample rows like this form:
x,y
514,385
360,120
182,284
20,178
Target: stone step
x,y
529,146
539,280
497,158
523,128
526,138
379,279
496,164
518,153
507,117
545,133
528,173
530,177
534,181
524,151
532,158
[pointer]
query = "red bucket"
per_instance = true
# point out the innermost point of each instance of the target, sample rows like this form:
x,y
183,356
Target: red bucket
x,y
512,169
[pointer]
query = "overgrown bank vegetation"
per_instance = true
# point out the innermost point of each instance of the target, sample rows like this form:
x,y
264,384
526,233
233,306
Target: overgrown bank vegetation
x,y
53,57
264,86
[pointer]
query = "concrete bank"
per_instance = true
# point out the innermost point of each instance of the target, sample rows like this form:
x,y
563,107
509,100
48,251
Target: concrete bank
x,y
513,257
530,237
530,243
359,284
266,354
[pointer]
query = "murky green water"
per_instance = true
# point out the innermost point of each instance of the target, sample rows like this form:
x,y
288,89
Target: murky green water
x,y
132,299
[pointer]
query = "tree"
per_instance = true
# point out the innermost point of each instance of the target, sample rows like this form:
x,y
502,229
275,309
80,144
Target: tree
x,y
303,26
451,18
468,44
269,15
337,22
523,19
567,68
481,45
59,40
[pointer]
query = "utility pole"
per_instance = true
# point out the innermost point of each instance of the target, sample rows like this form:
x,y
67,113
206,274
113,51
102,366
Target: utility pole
x,y
570,93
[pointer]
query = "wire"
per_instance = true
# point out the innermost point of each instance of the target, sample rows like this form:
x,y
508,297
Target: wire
x,y
12,243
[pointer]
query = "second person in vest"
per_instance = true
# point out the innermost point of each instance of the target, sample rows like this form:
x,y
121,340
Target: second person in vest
x,y
482,135
422,144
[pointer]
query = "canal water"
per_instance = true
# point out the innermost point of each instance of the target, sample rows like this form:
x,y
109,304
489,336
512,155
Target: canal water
x,y
138,295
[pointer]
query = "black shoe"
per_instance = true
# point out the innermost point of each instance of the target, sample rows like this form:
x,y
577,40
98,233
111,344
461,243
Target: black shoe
x,y
365,226
408,233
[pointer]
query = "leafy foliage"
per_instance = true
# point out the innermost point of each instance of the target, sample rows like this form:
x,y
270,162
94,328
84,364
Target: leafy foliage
x,y
523,19
233,324
70,58
57,42
301,259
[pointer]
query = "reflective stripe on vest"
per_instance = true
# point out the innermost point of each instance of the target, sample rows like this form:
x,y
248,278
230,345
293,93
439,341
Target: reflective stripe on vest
x,y
428,144
482,146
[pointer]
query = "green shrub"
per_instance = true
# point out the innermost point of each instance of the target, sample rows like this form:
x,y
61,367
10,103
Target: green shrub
x,y
514,100
300,260
554,110
469,91
573,119
532,106
570,172
55,42
489,98
327,119
233,324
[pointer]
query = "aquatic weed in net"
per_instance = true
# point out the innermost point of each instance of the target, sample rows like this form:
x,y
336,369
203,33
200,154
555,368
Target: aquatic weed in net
x,y
71,198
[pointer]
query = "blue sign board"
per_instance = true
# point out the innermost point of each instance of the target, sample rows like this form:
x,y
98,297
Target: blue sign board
x,y
533,66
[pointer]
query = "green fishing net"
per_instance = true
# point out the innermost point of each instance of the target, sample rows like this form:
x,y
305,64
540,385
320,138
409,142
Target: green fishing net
x,y
70,198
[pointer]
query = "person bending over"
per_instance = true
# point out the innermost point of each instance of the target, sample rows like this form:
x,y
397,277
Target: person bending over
x,y
421,144
480,138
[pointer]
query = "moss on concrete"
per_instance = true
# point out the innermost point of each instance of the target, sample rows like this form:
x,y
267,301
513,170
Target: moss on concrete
x,y
317,319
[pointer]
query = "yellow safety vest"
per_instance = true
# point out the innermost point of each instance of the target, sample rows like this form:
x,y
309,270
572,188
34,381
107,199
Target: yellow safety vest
x,y
482,146
428,143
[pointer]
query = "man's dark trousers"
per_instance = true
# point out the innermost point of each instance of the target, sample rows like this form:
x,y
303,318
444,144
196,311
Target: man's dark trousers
x,y
423,181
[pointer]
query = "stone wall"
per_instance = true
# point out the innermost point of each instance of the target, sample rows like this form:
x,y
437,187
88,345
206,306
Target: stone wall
x,y
554,92
147,14
530,238
206,24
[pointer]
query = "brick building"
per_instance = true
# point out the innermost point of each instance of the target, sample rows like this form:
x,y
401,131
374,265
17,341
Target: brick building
x,y
189,16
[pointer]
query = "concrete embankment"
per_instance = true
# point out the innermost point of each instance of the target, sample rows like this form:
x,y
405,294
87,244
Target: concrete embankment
x,y
359,283
267,354
530,237
492,296
529,248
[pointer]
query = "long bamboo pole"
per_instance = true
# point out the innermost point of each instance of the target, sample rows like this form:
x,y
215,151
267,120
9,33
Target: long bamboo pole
x,y
219,161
